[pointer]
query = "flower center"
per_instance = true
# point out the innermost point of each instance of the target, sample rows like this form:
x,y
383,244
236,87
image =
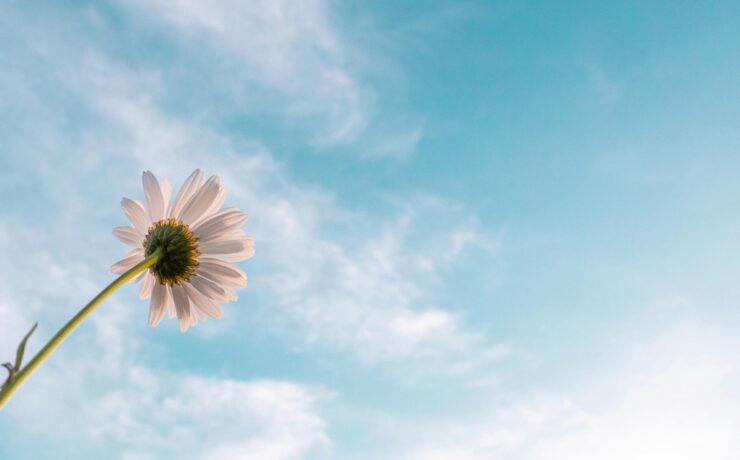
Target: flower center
x,y
180,251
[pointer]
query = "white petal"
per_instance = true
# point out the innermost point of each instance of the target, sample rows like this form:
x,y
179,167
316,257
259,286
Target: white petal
x,y
200,202
233,234
240,256
166,188
225,246
220,223
215,205
170,306
234,250
198,315
182,305
208,288
191,185
158,304
203,303
147,284
154,200
136,213
230,294
133,258
128,235
138,277
221,272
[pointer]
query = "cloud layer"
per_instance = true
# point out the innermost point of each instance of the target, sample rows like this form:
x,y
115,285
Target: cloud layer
x,y
331,279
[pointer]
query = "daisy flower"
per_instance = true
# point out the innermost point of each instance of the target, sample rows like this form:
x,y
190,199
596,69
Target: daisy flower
x,y
183,255
199,244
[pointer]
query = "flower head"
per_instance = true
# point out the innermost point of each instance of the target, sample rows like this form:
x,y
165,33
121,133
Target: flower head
x,y
198,243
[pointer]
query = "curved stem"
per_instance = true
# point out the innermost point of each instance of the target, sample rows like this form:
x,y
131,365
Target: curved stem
x,y
55,341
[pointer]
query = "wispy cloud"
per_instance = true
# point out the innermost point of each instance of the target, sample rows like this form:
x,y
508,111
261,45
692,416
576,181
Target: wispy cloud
x,y
123,403
283,58
381,269
374,295
333,279
278,54
265,420
147,413
328,278
676,398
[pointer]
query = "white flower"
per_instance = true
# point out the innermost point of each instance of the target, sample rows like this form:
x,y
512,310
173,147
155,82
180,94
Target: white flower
x,y
195,274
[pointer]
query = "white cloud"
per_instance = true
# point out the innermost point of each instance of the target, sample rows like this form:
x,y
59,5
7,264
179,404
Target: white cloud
x,y
340,279
289,59
289,53
279,39
331,278
374,304
373,295
396,143
676,399
145,413
102,378
262,420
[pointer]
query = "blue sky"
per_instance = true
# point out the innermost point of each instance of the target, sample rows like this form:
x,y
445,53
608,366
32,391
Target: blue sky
x,y
483,229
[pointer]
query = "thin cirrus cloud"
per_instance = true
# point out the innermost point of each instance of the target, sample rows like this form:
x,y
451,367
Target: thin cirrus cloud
x,y
289,59
377,306
374,305
368,295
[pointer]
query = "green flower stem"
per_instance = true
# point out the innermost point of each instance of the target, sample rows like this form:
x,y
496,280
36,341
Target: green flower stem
x,y
41,356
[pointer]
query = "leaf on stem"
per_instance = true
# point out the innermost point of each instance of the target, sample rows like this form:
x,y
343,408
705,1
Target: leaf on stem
x,y
15,368
22,348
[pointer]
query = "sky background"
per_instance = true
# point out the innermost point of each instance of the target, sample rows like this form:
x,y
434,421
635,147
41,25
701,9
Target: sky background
x,y
483,230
